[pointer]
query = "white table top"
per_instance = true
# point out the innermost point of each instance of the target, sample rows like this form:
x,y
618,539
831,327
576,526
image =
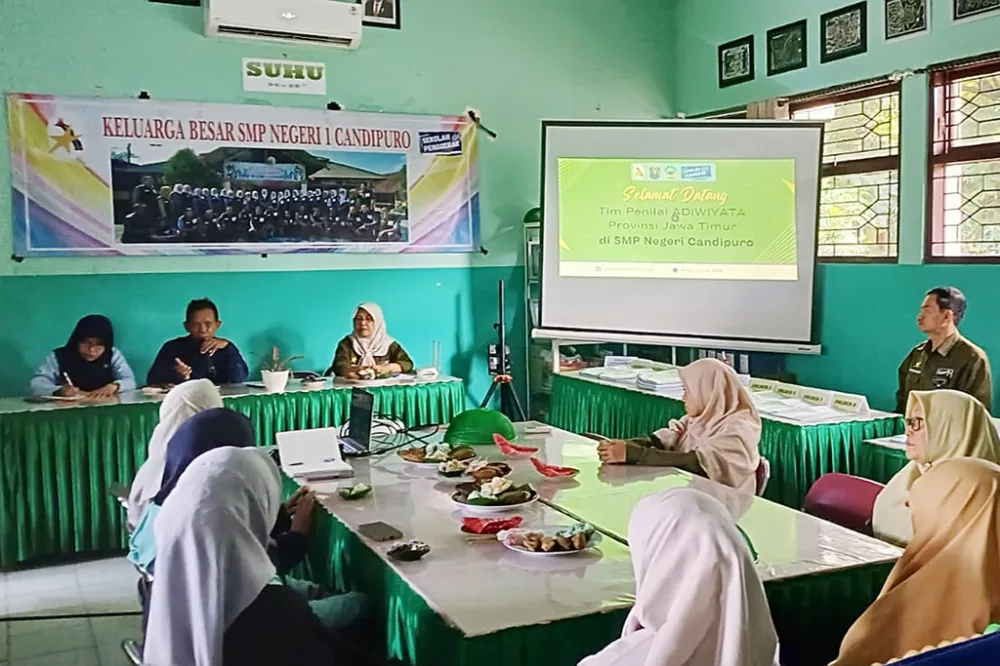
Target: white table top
x,y
524,590
137,397
873,414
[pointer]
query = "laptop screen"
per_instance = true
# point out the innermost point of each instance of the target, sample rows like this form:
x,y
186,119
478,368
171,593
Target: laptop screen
x,y
362,406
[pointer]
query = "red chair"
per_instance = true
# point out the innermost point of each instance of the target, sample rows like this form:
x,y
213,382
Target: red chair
x,y
763,475
843,499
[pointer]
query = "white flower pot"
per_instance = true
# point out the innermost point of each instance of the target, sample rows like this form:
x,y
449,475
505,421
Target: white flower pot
x,y
274,382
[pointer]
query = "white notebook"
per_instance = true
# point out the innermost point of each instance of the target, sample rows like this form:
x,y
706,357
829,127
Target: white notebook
x,y
312,454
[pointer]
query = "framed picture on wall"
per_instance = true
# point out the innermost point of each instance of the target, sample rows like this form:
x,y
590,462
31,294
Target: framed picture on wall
x,y
381,13
786,48
843,32
905,17
963,9
736,62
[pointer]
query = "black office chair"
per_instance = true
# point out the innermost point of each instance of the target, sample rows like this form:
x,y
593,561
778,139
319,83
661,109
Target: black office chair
x,y
131,647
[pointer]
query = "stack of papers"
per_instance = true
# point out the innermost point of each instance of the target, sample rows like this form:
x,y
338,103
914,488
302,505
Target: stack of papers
x,y
770,403
659,380
620,375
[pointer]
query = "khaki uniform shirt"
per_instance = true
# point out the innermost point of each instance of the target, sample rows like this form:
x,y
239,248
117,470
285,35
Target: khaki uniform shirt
x,y
956,364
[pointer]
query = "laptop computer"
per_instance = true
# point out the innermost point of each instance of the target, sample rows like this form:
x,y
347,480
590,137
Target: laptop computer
x,y
312,455
359,428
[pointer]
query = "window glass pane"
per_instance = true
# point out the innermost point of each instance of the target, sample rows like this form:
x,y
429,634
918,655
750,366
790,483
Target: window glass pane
x,y
859,215
968,223
975,110
858,129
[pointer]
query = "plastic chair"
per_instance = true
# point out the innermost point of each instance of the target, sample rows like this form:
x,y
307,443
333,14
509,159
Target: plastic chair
x,y
843,499
763,475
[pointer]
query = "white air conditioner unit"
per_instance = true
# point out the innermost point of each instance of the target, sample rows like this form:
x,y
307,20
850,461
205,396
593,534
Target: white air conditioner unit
x,y
328,22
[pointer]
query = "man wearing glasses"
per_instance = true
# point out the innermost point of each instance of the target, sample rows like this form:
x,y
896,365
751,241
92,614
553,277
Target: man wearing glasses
x,y
946,360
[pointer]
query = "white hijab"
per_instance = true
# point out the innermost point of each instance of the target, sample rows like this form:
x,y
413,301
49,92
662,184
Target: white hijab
x,y
699,599
366,349
184,401
211,554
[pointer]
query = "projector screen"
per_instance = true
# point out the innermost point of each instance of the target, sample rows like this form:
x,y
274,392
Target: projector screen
x,y
689,228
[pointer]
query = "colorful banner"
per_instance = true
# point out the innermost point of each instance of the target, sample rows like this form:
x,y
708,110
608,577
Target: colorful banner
x,y
100,177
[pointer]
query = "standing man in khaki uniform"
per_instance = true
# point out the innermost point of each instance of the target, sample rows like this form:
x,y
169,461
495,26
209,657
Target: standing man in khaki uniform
x,y
945,360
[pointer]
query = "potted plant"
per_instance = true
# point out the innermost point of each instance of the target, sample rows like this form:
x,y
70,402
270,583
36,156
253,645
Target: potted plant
x,y
274,370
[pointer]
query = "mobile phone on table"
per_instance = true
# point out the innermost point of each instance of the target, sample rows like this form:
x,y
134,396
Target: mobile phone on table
x,y
380,532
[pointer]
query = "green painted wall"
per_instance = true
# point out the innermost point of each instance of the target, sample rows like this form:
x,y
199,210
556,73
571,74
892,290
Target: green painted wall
x,y
517,60
865,313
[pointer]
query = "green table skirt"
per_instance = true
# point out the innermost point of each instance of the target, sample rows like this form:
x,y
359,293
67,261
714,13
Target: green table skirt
x,y
811,613
56,465
880,463
799,454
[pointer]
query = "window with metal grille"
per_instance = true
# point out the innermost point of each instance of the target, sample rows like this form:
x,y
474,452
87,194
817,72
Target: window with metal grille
x,y
859,191
964,193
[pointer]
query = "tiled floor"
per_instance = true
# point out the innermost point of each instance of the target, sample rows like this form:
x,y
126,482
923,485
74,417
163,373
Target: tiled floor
x,y
79,590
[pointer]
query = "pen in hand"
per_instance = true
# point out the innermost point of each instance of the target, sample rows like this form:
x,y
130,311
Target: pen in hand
x,y
69,382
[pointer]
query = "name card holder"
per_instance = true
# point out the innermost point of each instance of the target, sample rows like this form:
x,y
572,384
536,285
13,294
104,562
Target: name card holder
x,y
619,361
762,384
850,403
817,397
788,391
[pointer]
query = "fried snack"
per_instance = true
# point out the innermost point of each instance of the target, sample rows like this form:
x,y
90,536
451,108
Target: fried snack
x,y
564,543
463,453
533,541
548,544
517,539
579,541
490,471
514,496
413,455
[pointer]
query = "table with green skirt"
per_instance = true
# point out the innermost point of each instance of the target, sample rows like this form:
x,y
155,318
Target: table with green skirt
x,y
879,459
473,602
58,460
798,453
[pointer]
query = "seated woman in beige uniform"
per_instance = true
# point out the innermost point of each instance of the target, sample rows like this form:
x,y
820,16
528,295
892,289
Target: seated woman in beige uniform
x,y
369,352
717,438
940,425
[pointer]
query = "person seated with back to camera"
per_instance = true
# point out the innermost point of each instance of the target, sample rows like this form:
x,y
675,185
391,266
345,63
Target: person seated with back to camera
x,y
212,601
718,437
88,365
369,352
213,429
199,354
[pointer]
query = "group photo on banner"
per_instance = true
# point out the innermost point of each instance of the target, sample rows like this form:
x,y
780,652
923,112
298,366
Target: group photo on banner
x,y
138,177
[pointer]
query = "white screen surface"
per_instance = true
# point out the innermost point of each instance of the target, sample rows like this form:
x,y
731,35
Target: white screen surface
x,y
705,229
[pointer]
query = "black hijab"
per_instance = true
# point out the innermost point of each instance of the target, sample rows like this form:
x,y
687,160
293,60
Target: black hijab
x,y
88,375
203,432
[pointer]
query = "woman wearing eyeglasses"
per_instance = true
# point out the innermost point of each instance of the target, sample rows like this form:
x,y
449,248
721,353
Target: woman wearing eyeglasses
x,y
940,425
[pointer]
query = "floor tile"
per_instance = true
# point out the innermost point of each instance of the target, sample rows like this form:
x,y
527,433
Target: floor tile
x,y
112,570
80,657
40,581
113,630
23,627
3,642
51,640
113,655
50,602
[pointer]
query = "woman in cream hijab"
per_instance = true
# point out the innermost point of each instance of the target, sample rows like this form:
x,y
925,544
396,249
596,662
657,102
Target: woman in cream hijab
x,y
940,425
717,438
698,597
369,351
944,586
184,401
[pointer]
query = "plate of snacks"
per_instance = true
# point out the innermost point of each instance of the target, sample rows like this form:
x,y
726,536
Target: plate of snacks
x,y
551,540
497,495
436,453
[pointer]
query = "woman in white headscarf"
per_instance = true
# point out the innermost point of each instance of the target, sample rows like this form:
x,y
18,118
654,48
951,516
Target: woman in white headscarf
x,y
699,599
184,401
369,352
211,603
